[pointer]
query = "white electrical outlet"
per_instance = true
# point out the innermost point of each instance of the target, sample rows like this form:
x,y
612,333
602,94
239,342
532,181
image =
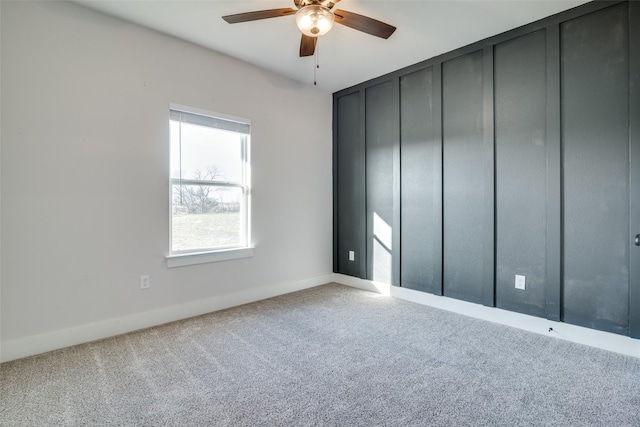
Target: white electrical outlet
x,y
145,282
520,282
352,256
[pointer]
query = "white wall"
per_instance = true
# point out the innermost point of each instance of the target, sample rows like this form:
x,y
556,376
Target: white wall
x,y
84,164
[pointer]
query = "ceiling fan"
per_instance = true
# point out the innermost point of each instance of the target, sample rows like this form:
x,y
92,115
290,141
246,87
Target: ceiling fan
x,y
315,18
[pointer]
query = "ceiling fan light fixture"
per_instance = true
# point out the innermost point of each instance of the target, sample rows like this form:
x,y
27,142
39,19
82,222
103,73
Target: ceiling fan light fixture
x,y
314,20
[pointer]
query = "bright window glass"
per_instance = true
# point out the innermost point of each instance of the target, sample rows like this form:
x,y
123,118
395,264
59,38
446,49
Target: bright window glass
x,y
209,177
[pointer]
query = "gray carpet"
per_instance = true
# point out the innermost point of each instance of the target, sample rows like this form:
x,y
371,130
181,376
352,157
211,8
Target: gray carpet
x,y
327,356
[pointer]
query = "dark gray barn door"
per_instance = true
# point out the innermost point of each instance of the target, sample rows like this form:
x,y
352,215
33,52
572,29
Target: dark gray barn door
x,y
595,155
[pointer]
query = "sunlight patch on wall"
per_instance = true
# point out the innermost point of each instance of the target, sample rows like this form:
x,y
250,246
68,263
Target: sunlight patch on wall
x,y
382,259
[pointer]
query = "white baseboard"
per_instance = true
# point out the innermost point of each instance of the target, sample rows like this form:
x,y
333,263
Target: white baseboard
x,y
591,337
29,346
42,343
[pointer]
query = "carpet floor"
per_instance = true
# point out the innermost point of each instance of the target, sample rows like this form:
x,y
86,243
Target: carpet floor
x,y
326,356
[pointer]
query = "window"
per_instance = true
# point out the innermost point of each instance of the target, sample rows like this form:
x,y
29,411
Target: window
x,y
209,180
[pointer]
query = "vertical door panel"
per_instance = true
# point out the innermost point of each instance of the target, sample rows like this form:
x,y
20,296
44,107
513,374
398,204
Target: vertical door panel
x,y
419,161
379,177
463,177
595,143
634,177
350,227
521,184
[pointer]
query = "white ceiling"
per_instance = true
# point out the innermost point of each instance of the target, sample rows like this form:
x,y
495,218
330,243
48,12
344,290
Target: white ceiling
x,y
347,57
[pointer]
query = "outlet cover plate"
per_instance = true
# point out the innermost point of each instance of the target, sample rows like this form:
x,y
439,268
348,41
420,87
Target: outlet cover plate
x,y
520,282
145,282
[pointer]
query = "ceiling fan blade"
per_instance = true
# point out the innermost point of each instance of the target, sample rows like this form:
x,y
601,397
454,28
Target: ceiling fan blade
x,y
364,24
258,14
308,45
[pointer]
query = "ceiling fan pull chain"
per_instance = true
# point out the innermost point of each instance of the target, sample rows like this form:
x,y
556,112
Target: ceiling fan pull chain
x,y
316,56
315,66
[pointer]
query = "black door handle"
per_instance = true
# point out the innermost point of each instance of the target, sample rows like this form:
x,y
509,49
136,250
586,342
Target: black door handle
x,y
637,239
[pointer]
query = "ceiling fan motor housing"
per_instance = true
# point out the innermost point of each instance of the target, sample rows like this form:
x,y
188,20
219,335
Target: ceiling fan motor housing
x,y
326,3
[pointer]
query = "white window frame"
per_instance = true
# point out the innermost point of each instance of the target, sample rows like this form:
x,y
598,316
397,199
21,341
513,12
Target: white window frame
x,y
205,255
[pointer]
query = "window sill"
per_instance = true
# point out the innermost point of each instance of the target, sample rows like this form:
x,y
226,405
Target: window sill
x,y
205,257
